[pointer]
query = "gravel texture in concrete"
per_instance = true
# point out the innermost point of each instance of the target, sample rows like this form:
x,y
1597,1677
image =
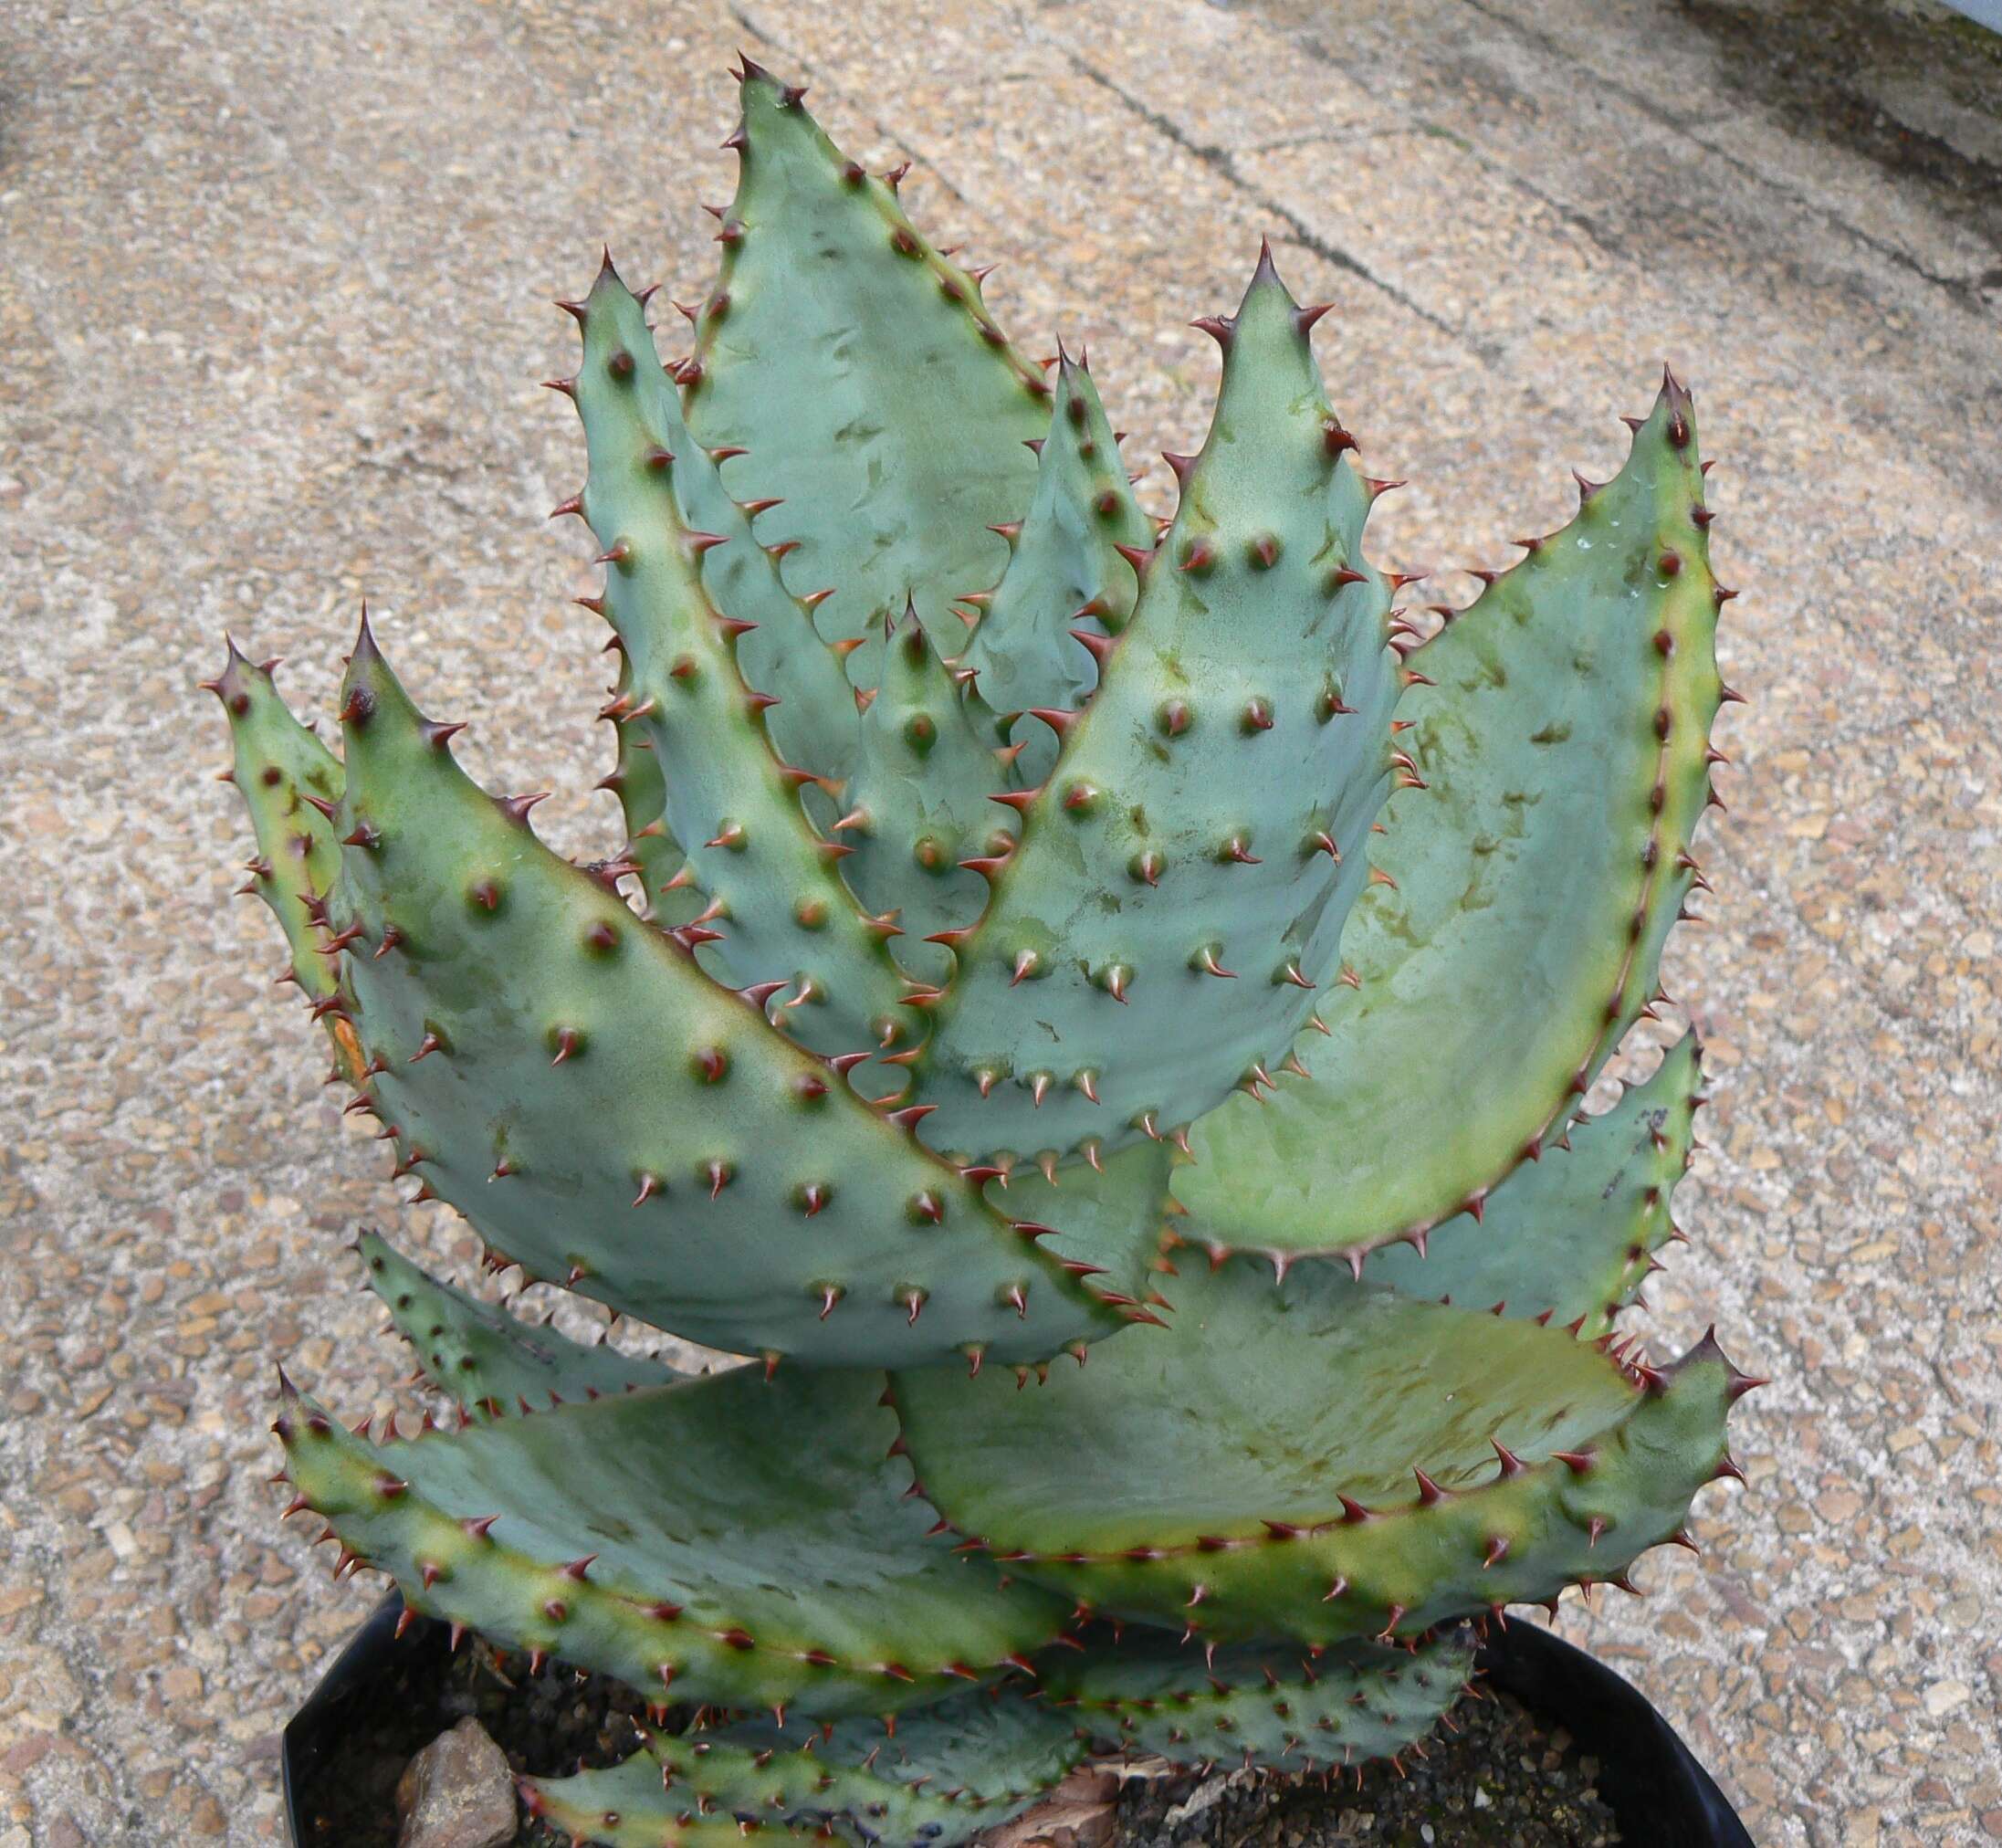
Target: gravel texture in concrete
x,y
273,308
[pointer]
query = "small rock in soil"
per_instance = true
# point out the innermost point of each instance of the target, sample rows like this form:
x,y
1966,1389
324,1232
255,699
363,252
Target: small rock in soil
x,y
457,1793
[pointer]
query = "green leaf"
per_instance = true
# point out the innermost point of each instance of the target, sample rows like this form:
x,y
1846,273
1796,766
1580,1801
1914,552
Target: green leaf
x,y
778,909
276,764
1155,940
1564,745
1252,1471
640,410
606,1115
1575,1234
489,1361
652,855
918,801
945,1774
862,374
1064,573
1259,1704
674,1538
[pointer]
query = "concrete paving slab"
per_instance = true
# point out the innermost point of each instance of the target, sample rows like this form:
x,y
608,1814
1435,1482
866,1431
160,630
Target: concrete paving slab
x,y
272,305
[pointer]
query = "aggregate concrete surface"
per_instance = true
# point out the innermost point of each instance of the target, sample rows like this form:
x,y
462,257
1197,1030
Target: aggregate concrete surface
x,y
273,308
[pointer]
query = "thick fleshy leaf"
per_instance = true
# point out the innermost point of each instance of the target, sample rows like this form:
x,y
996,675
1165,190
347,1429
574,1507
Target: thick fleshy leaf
x,y
1254,1704
1065,572
946,1773
1182,878
279,768
675,1539
778,909
1316,1462
1564,747
813,722
606,1115
652,856
872,391
1576,1233
493,1363
917,804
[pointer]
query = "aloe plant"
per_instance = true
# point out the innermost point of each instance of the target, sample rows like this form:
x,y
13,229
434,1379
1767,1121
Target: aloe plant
x,y
1040,933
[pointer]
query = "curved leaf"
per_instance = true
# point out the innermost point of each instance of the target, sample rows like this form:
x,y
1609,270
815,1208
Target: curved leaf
x,y
1575,1234
872,391
1566,746
945,1774
1253,1471
1260,1704
488,1360
672,1539
1182,878
607,1116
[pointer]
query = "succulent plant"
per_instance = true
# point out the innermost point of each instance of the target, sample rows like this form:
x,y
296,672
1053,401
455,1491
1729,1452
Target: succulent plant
x,y
1039,931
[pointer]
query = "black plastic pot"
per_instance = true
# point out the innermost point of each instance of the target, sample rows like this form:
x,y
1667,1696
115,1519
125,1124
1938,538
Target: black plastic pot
x,y
1662,1797
358,1678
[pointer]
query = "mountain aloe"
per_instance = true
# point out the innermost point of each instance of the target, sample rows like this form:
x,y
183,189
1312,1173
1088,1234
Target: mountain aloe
x,y
1038,931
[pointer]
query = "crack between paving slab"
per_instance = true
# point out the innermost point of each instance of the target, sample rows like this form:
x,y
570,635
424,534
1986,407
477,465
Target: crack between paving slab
x,y
1219,160
1358,128
1964,292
